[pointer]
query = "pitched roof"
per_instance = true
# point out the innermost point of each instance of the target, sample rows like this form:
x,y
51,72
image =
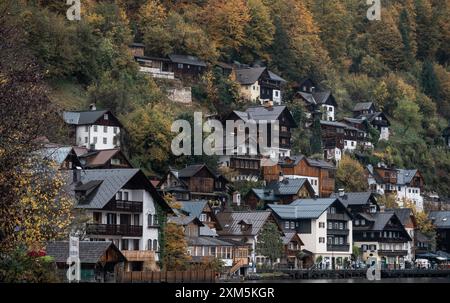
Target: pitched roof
x,y
405,176
441,219
371,117
287,186
320,163
289,236
83,117
184,220
191,170
101,157
362,106
264,194
193,208
353,198
90,251
258,113
321,97
249,75
308,97
112,181
206,241
231,222
303,208
187,59
403,214
56,154
275,77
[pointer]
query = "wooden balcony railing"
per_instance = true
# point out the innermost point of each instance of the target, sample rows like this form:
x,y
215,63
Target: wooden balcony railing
x,y
128,206
114,230
338,247
338,232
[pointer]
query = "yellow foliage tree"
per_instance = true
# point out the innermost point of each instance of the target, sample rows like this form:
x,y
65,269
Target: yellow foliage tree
x,y
175,248
350,175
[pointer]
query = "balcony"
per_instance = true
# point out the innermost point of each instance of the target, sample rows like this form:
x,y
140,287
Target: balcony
x,y
340,217
338,247
338,232
114,230
392,253
128,206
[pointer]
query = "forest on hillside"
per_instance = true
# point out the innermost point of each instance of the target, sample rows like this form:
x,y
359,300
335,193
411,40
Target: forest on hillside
x,y
400,63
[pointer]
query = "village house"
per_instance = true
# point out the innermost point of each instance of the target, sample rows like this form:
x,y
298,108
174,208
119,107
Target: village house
x,y
315,99
174,66
246,158
204,212
284,191
195,182
94,129
292,250
358,202
320,174
64,157
381,235
405,184
204,249
101,261
324,226
102,159
441,221
408,220
244,227
121,206
258,84
423,244
367,110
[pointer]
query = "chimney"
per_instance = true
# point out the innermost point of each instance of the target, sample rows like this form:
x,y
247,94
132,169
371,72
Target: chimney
x,y
92,107
77,174
341,192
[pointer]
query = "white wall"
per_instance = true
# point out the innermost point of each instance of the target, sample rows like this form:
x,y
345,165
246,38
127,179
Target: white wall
x,y
350,145
148,232
328,112
250,92
82,133
384,134
276,98
412,194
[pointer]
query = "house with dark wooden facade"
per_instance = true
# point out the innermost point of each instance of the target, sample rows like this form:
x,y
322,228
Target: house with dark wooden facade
x,y
320,174
292,250
101,261
102,159
367,111
441,220
195,182
358,202
281,192
246,158
315,99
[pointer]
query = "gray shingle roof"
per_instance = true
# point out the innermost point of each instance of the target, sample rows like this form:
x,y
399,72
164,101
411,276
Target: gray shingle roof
x,y
207,231
193,208
275,77
258,113
55,154
230,222
353,198
206,241
362,106
250,75
184,220
83,117
187,59
191,170
289,236
441,219
321,97
265,195
287,186
303,208
320,163
308,97
405,176
403,214
112,181
90,251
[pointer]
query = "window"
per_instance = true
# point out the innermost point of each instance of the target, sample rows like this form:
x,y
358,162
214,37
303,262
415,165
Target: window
x,y
155,245
95,140
321,240
364,235
95,128
188,66
286,225
136,244
86,128
341,241
353,143
356,222
330,109
105,140
203,217
97,217
341,225
150,220
332,210
124,244
180,65
115,130
330,225
105,129
321,224
111,219
149,244
363,222
85,139
277,93
292,225
125,196
136,220
119,196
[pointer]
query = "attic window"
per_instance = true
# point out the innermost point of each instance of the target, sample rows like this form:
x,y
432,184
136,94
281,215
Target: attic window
x,y
105,116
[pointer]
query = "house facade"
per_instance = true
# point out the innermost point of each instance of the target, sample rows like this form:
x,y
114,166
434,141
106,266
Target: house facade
x,y
123,207
316,99
367,111
325,227
94,129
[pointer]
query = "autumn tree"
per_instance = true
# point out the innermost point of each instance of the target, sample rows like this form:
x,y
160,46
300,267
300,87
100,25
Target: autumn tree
x,y
269,242
350,175
388,201
226,22
426,30
175,248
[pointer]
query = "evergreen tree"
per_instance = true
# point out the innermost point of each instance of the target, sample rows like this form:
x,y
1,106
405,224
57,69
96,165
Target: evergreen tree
x,y
429,81
405,31
269,242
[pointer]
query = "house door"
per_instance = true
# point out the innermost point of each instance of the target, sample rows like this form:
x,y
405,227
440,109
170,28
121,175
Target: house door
x,y
125,219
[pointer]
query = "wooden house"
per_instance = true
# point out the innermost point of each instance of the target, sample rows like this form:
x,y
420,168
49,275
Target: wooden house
x,y
320,174
367,111
292,250
315,99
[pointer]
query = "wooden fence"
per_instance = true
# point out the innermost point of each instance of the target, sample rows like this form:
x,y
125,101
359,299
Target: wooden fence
x,y
192,276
